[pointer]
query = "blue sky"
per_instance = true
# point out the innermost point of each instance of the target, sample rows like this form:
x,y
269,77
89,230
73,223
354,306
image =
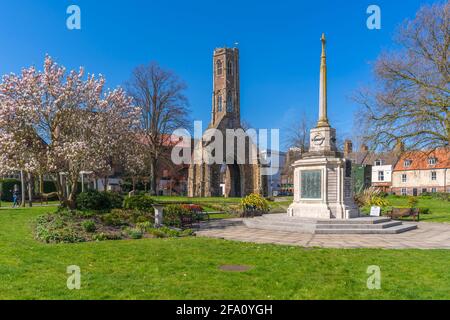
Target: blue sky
x,y
279,43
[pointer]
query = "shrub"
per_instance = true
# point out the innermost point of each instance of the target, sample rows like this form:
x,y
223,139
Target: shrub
x,y
371,197
412,202
53,228
117,218
172,214
255,202
166,232
194,208
122,217
115,200
89,226
445,196
103,236
424,210
93,200
143,226
383,194
134,233
139,202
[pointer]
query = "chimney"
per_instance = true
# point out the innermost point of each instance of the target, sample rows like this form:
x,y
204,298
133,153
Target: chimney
x,y
348,147
364,148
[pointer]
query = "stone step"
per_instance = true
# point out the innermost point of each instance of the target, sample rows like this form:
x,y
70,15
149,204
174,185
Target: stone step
x,y
383,225
362,220
314,227
392,230
292,223
257,224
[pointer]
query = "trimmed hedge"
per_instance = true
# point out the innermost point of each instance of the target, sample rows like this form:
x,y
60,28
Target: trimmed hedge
x,y
139,202
99,201
7,187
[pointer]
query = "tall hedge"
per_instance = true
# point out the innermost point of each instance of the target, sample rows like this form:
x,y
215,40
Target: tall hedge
x,y
7,187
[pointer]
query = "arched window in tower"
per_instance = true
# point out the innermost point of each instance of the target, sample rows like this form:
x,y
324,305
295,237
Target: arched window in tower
x,y
230,68
219,67
219,103
229,102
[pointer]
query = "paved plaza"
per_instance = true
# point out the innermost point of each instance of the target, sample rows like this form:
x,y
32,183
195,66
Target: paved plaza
x,y
427,236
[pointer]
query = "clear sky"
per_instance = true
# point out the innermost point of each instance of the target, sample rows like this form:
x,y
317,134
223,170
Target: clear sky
x,y
279,44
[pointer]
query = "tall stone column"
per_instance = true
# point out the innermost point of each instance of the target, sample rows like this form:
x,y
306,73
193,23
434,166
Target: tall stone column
x,y
323,117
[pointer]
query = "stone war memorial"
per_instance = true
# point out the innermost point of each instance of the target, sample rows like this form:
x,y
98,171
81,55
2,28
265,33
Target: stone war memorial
x,y
322,178
323,192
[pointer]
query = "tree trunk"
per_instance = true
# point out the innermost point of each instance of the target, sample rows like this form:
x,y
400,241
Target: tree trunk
x,y
22,184
71,199
41,184
59,188
30,189
105,184
153,177
133,180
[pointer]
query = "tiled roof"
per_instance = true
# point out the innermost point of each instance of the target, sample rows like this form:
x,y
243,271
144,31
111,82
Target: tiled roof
x,y
419,160
368,158
388,158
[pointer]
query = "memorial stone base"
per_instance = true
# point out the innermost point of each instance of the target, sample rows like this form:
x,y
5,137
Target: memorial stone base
x,y
323,188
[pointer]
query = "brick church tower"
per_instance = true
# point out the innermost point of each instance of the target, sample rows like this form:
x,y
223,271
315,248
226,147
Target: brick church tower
x,y
229,179
226,95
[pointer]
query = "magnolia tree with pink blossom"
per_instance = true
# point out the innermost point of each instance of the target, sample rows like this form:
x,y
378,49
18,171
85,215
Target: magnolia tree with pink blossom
x,y
61,124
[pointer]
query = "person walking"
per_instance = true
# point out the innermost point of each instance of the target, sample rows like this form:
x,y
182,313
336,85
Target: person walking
x,y
16,195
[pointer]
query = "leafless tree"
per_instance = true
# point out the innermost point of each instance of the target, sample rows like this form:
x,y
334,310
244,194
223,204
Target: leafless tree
x,y
409,100
297,133
160,96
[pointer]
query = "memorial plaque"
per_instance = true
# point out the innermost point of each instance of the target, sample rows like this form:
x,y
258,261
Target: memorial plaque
x,y
311,184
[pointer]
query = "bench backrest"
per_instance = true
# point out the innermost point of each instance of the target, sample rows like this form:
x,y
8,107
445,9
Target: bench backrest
x,y
401,211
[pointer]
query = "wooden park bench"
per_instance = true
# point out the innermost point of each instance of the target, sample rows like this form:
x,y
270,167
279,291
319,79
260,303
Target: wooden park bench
x,y
404,212
44,197
187,221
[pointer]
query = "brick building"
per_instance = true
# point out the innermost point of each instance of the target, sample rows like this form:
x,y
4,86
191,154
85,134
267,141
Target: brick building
x,y
417,172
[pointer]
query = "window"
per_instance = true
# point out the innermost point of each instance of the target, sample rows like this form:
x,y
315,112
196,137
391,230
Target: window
x,y
404,178
378,162
230,68
433,190
424,190
380,175
219,67
219,103
404,192
433,176
432,161
229,102
407,163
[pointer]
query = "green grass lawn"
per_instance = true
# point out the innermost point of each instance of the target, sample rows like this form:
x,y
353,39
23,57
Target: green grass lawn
x,y
440,209
188,268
